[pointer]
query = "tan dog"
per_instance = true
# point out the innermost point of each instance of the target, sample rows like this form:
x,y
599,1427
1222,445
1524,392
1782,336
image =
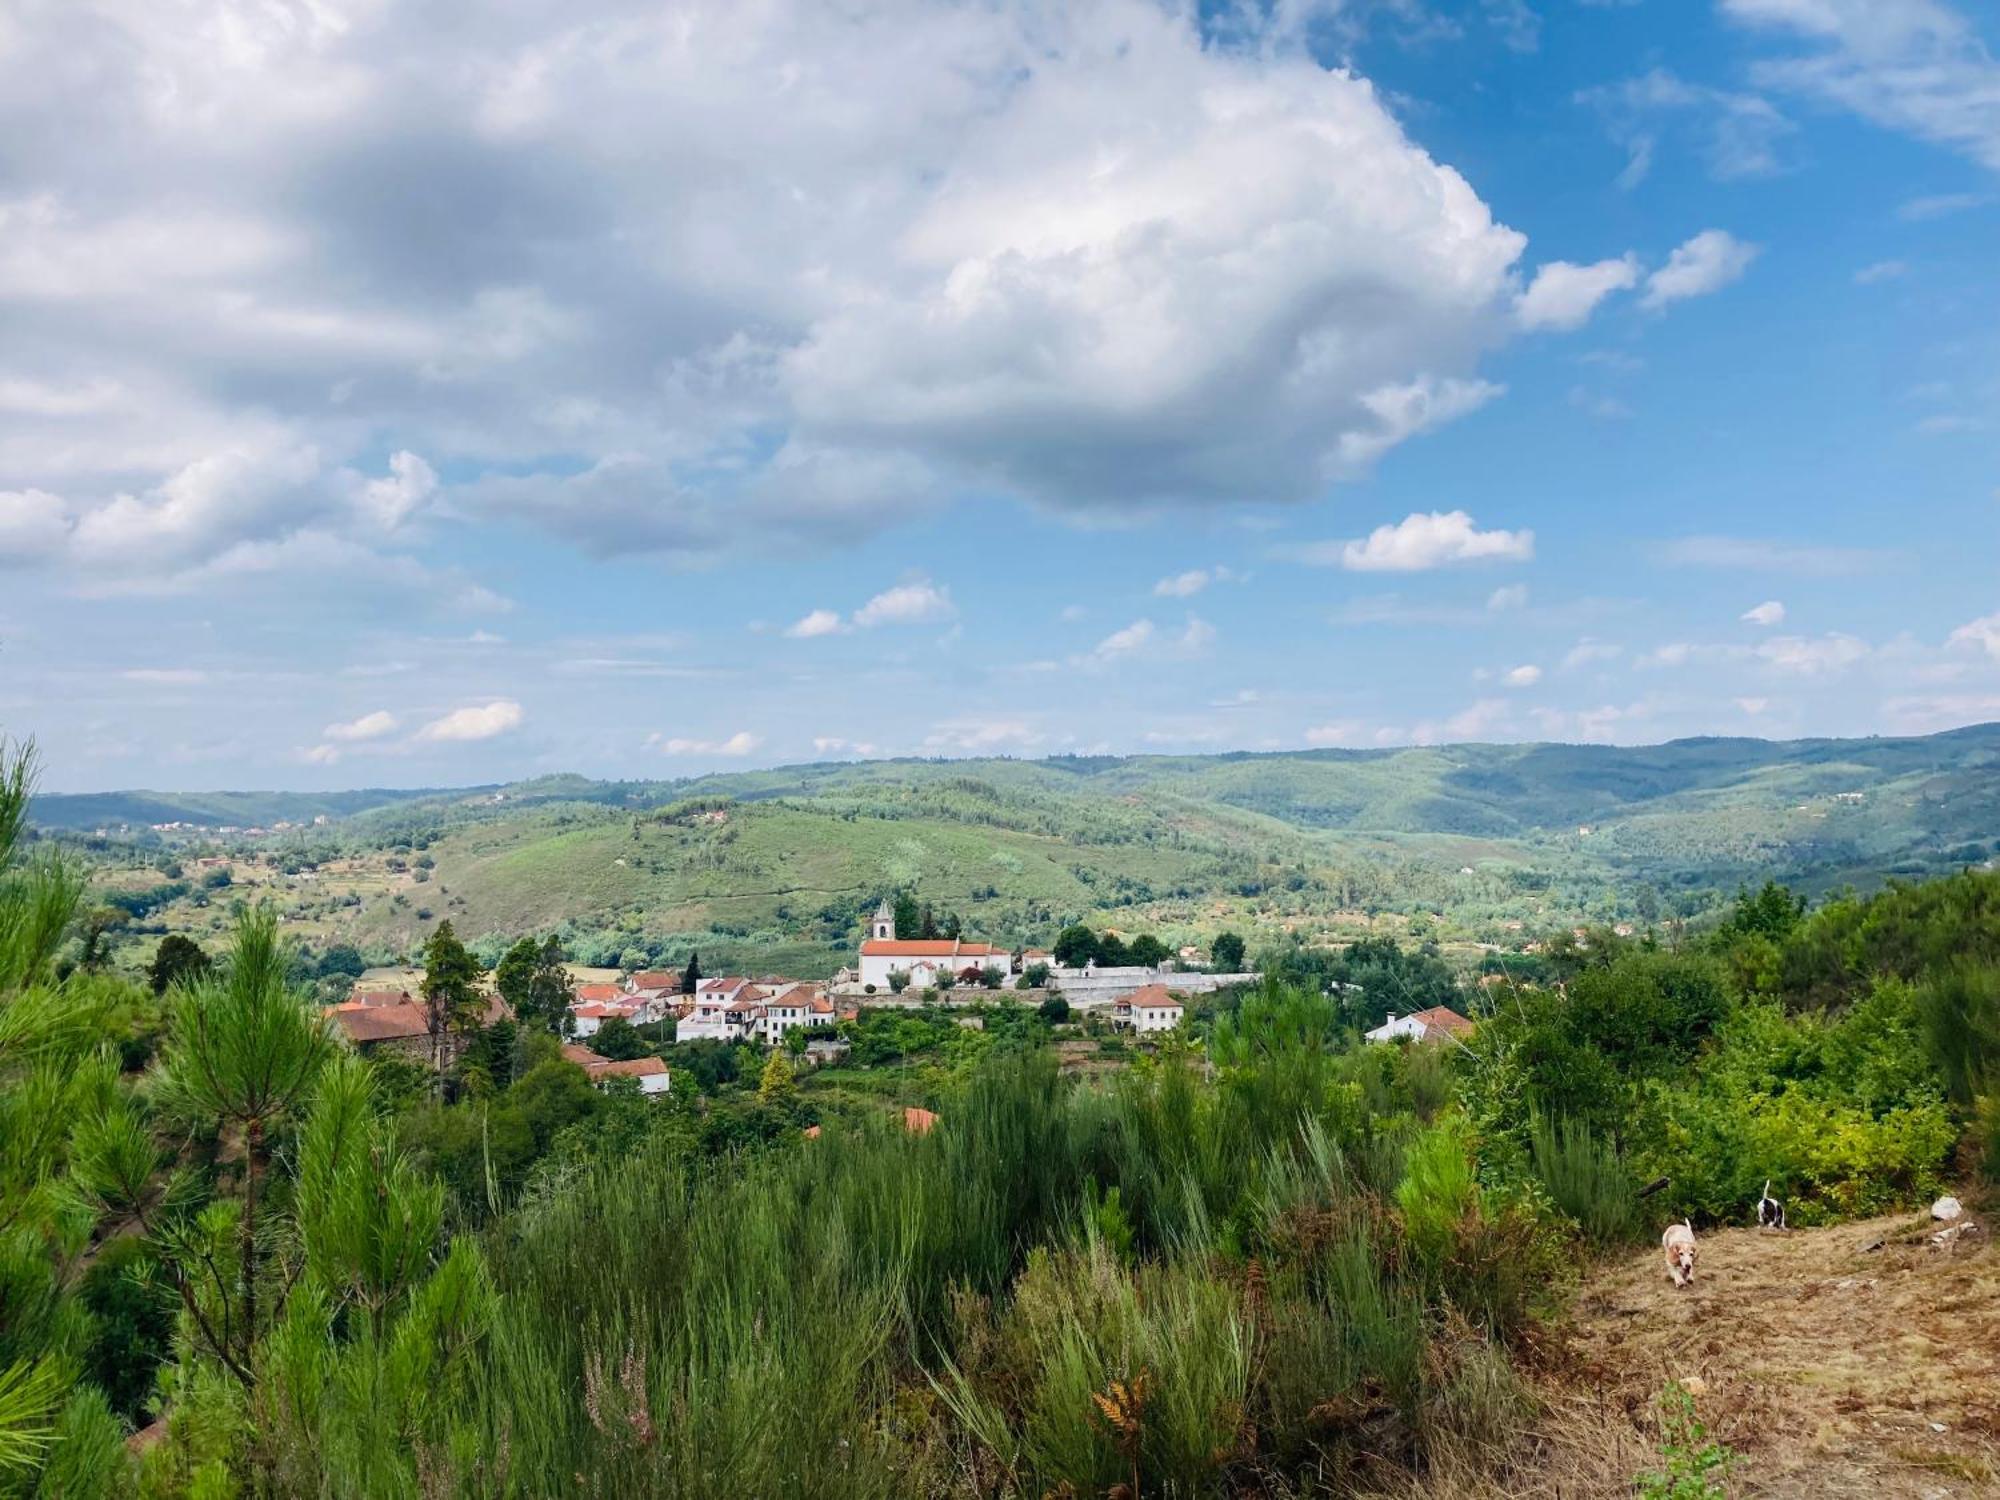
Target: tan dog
x,y
1678,1243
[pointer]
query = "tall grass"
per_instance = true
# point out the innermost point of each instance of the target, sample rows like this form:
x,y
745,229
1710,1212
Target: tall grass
x,y
1587,1180
874,1313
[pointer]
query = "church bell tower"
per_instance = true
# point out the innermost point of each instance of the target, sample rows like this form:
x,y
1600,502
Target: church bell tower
x,y
884,924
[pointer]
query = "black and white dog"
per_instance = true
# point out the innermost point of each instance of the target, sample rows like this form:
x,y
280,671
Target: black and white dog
x,y
1770,1212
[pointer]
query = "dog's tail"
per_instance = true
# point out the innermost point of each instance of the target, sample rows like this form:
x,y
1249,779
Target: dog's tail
x,y
1767,1188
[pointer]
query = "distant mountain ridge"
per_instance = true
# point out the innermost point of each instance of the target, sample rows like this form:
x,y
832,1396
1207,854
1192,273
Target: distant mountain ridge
x,y
1472,790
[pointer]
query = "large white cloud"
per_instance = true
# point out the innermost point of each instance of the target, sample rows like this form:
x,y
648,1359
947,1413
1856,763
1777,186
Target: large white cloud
x,y
673,277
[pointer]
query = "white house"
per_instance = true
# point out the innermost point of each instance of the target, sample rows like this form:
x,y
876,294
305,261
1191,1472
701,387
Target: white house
x,y
1439,1023
650,1071
1147,1010
923,959
724,1010
797,1004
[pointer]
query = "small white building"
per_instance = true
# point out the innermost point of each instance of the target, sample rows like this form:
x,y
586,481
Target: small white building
x,y
1147,1010
1438,1024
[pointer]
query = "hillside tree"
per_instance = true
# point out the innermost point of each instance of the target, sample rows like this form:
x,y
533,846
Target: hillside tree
x,y
532,980
176,958
452,1002
1226,953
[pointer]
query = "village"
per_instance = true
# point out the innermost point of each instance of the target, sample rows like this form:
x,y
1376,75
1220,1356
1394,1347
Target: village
x,y
764,1010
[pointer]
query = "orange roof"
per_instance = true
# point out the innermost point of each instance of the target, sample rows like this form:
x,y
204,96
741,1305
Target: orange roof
x,y
1444,1018
928,948
381,1023
387,1023
1151,994
918,1121
655,979
631,1067
812,1132
604,1067
598,992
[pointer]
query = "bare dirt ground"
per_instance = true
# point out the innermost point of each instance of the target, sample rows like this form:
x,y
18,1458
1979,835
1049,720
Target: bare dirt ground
x,y
1832,1368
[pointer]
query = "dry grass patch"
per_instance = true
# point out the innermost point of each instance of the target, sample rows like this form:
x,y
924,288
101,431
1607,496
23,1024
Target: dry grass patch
x,y
1834,1369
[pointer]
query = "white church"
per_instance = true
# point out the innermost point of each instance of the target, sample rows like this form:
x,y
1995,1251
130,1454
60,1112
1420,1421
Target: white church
x,y
923,959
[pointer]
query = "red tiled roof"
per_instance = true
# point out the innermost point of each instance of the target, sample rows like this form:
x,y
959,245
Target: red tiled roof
x,y
1444,1018
918,1121
631,1067
655,979
379,997
381,1023
604,1067
1154,995
586,992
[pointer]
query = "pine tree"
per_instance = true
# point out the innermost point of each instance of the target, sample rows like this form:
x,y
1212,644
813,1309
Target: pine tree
x,y
691,976
244,1051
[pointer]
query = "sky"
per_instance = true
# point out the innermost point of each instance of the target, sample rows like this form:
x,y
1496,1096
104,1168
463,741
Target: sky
x,y
406,394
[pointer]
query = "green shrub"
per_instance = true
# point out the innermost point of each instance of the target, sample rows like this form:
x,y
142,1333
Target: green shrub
x,y
1438,1191
1587,1180
1692,1464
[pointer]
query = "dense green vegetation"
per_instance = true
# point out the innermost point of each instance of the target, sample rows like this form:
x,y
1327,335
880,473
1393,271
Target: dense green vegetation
x,y
1257,1255
777,870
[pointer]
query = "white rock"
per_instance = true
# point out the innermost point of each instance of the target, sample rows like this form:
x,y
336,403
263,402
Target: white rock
x,y
1946,1209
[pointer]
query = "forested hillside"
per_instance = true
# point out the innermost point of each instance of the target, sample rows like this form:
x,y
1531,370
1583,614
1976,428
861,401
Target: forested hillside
x,y
1475,843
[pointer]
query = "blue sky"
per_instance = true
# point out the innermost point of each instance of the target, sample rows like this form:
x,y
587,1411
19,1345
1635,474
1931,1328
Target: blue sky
x,y
641,389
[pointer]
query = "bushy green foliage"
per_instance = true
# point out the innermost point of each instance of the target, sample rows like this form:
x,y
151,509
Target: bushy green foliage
x,y
1585,1178
1692,1464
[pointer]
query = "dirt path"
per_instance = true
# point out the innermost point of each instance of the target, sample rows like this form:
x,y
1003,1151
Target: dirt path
x,y
1833,1369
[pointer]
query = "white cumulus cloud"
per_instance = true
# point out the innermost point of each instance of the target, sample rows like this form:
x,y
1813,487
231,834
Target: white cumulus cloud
x,y
1982,634
1564,295
819,622
1127,640
368,727
1425,540
1523,676
1707,263
478,723
1770,612
917,603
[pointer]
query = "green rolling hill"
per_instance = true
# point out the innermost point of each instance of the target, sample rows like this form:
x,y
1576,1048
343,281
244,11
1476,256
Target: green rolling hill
x,y
777,865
